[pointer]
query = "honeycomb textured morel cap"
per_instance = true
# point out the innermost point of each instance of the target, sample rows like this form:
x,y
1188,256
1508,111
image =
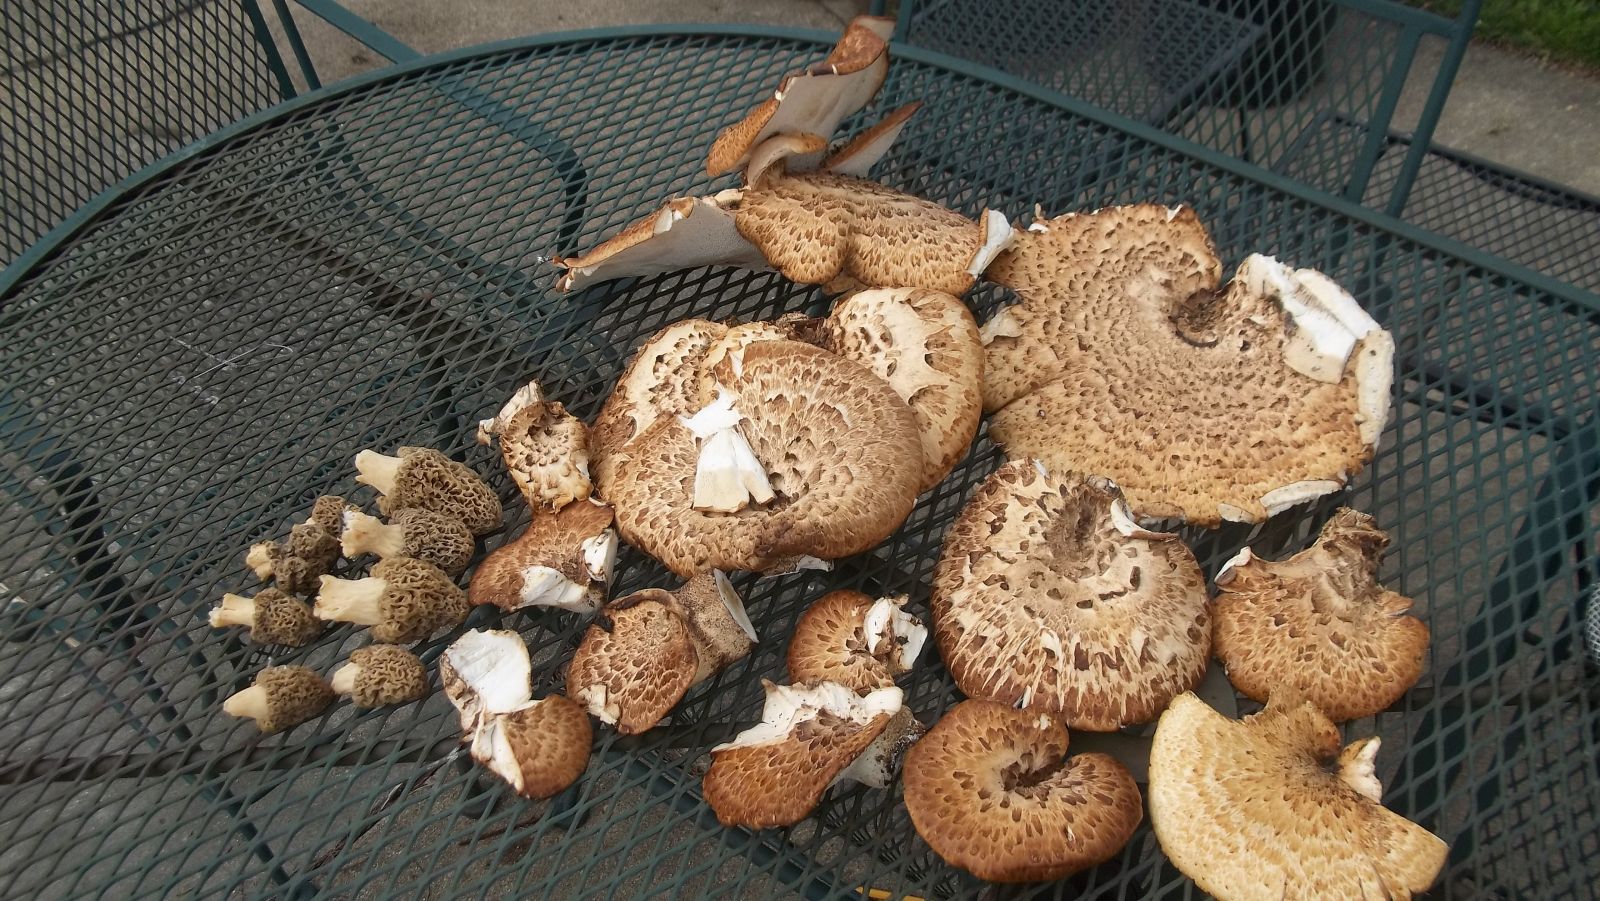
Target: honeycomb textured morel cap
x,y
281,697
414,532
273,617
381,674
424,477
404,600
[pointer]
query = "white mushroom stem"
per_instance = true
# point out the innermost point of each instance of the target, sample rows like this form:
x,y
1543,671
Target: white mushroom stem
x,y
492,747
727,476
599,554
377,470
250,703
543,586
593,698
365,534
350,600
998,236
788,706
235,610
259,559
876,766
524,397
887,625
1358,768
496,668
344,678
733,604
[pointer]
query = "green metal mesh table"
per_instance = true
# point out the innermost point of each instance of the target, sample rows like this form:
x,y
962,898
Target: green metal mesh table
x,y
365,267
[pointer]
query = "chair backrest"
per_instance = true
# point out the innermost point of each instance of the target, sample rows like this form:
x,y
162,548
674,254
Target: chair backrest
x,y
1303,87
91,91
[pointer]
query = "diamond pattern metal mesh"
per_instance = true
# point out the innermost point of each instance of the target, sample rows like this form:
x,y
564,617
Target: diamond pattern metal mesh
x,y
93,90
368,270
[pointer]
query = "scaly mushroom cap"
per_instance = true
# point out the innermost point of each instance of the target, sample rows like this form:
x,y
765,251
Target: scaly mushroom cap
x,y
414,532
280,697
1124,358
661,381
634,665
1250,809
989,791
486,672
273,618
424,477
925,344
849,638
563,560
839,447
1320,624
539,748
545,448
382,674
1048,594
774,773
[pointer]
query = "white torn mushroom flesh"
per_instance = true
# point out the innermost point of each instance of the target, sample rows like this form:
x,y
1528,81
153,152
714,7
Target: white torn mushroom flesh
x,y
727,477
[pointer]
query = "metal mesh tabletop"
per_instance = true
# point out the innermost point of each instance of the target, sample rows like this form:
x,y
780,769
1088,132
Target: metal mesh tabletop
x,y
365,268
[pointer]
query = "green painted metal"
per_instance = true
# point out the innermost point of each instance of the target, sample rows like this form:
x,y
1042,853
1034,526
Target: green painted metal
x,y
360,29
393,231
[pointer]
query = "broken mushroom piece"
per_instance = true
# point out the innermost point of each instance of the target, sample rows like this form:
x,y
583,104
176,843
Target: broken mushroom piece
x,y
649,648
404,600
381,674
1285,379
424,477
1049,596
486,672
273,618
539,748
727,475
1319,623
1250,809
849,638
413,532
545,448
989,788
562,560
809,737
280,697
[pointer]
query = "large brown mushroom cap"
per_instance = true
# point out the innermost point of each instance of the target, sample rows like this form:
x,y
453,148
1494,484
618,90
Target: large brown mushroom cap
x,y
662,380
539,748
839,447
988,789
834,641
1320,624
634,665
1249,809
1048,595
563,559
545,448
925,344
1124,358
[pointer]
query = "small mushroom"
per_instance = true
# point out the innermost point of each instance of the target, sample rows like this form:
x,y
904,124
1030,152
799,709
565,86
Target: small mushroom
x,y
809,738
865,149
1049,596
649,648
404,600
562,560
381,674
545,448
486,672
273,617
1319,623
539,748
413,532
1285,380
280,697
989,788
328,512
1269,807
925,344
424,477
849,638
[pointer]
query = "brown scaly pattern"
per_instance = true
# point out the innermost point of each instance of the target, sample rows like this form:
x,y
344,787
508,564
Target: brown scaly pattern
x,y
780,783
662,380
294,695
551,740
1249,809
545,449
841,450
1320,624
427,478
1038,597
418,600
551,539
282,619
1124,358
641,654
988,790
388,674
830,645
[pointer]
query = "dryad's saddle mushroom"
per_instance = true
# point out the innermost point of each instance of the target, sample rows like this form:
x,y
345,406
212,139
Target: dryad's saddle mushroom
x,y
1249,809
280,697
849,638
1048,595
424,477
545,448
1320,624
413,532
273,618
1125,358
563,560
988,789
381,674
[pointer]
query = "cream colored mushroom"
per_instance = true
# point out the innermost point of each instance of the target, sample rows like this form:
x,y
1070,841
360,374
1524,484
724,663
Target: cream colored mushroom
x,y
413,532
484,673
404,600
563,560
381,674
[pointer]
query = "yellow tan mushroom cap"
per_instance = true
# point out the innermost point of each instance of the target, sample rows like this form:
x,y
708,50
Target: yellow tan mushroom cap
x,y
775,773
841,450
273,617
382,674
1320,624
854,640
1249,809
1125,358
1048,595
328,512
404,600
634,665
280,697
424,477
538,748
989,791
925,344
562,559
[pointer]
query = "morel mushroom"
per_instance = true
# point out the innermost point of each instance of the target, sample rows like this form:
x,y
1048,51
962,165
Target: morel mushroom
x,y
404,600
309,552
424,477
273,618
381,674
280,697
563,560
545,448
413,532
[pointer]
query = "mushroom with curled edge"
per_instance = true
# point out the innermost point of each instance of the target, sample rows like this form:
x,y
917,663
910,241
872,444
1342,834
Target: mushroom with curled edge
x,y
544,447
1250,809
404,600
1049,596
381,674
989,788
562,560
1126,357
309,552
811,737
424,477
649,648
280,697
273,617
854,640
838,448
1320,624
414,532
